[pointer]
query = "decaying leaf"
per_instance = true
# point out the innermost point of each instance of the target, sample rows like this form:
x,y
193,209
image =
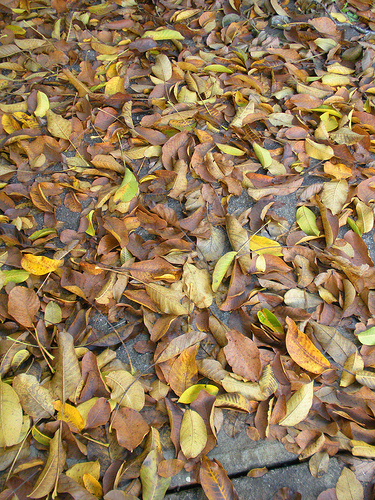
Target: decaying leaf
x,y
36,401
67,375
47,480
126,390
215,481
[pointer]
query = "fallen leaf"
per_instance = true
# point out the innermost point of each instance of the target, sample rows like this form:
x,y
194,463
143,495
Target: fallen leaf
x,y
302,350
10,416
193,434
298,405
35,399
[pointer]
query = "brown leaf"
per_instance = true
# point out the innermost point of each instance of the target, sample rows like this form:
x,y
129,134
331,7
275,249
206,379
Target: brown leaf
x,y
68,374
23,304
215,481
130,427
36,400
243,355
47,480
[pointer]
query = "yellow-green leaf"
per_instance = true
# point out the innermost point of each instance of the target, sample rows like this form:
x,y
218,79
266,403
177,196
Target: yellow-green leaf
x,y
128,188
230,150
164,34
221,267
307,221
263,155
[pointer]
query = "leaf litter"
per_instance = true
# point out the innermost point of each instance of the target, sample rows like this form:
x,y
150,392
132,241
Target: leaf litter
x,y
129,133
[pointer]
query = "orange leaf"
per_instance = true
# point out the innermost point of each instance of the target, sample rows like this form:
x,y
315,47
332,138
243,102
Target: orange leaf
x,y
303,351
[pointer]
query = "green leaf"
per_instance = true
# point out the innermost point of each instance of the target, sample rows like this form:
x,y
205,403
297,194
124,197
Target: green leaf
x,y
307,221
263,155
222,266
165,34
14,276
353,226
42,233
268,319
128,188
367,337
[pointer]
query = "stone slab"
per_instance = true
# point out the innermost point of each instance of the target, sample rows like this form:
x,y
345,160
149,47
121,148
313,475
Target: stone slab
x,y
238,455
296,477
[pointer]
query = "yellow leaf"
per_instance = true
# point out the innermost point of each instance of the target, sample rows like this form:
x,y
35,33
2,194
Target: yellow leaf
x,y
362,449
230,150
196,284
167,300
193,434
162,68
47,479
77,471
262,245
163,34
36,400
114,85
192,392
10,416
318,151
334,195
58,126
42,104
92,485
70,415
126,390
298,406
39,265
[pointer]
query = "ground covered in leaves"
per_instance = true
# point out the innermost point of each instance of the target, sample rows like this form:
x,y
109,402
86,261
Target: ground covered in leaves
x,y
146,150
